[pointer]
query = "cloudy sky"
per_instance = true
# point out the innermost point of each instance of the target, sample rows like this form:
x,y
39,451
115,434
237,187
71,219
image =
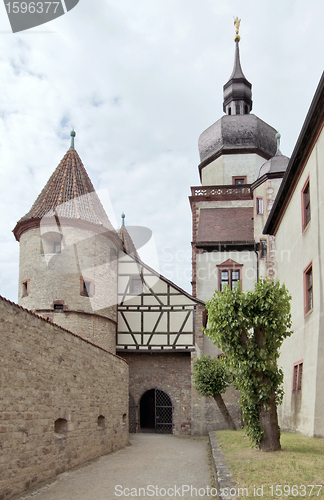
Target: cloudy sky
x,y
139,81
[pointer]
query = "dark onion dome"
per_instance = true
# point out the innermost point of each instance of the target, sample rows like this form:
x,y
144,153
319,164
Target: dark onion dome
x,y
276,165
234,134
238,131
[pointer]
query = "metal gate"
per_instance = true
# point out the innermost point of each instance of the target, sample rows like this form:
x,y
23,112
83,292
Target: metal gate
x,y
163,413
132,415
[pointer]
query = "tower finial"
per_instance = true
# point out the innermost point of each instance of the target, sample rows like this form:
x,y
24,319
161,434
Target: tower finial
x,y
72,134
123,219
278,137
237,23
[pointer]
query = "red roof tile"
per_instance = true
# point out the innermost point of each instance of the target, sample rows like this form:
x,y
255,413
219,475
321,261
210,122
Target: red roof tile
x,y
69,193
128,244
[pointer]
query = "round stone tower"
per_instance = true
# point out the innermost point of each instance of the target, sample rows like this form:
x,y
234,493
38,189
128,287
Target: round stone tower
x,y
68,256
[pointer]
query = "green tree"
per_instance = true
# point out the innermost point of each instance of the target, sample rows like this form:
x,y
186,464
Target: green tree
x,y
211,378
250,328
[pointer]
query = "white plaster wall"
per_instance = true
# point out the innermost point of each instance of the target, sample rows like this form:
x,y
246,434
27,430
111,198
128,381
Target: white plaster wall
x,y
306,343
221,170
207,270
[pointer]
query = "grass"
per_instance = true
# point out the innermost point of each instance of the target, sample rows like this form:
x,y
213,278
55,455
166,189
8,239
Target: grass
x,y
300,462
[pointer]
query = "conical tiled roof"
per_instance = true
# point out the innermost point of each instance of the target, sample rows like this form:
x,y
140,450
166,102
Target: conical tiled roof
x,y
69,193
128,244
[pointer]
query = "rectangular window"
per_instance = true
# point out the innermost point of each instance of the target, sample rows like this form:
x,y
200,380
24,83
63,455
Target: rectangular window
x,y
263,249
306,205
224,279
300,376
57,247
25,288
235,279
297,377
87,288
58,307
136,286
230,278
259,206
239,180
308,288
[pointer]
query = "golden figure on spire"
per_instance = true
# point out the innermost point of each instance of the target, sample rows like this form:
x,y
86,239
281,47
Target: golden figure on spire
x,y
237,23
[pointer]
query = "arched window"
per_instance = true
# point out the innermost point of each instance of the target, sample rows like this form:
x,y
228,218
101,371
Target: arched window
x,y
101,422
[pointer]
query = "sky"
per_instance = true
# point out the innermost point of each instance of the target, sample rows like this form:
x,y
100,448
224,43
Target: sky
x,y
139,82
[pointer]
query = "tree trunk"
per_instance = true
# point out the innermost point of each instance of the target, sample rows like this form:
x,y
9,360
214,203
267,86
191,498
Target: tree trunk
x,y
269,423
224,411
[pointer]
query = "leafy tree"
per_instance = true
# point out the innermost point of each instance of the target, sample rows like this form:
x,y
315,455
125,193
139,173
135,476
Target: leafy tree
x,y
211,378
250,328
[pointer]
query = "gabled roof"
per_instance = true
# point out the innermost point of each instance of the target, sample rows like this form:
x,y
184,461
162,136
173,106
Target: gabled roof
x,y
69,194
128,244
310,131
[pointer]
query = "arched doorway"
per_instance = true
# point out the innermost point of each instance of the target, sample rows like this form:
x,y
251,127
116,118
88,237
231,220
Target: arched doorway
x,y
156,412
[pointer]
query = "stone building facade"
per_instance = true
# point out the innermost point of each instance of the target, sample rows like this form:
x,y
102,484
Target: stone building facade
x,y
64,400
295,222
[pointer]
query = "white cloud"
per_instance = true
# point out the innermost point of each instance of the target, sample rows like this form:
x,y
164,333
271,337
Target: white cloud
x,y
140,81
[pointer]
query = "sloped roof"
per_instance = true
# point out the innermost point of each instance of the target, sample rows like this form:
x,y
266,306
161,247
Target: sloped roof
x,y
308,136
128,244
69,193
277,164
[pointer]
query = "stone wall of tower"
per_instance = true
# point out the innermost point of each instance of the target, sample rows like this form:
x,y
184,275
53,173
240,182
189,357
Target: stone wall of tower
x,y
53,283
64,401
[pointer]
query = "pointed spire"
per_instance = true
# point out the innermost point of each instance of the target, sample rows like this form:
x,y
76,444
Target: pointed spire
x,y
237,91
72,134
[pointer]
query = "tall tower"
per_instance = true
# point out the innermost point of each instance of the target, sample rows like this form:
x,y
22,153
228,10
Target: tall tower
x,y
232,151
68,255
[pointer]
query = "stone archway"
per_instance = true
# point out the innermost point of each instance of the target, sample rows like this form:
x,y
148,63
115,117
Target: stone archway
x,y
156,412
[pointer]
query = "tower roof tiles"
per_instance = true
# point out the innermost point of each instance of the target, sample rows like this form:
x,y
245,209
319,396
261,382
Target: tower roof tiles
x,y
69,194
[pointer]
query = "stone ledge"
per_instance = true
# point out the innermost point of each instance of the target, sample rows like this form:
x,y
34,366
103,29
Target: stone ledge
x,y
223,477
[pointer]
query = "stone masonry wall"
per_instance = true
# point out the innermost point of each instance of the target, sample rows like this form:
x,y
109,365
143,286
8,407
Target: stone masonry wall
x,y
169,372
47,374
96,329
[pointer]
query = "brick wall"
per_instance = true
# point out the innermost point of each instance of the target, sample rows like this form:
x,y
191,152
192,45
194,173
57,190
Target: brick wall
x,y
47,373
169,372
